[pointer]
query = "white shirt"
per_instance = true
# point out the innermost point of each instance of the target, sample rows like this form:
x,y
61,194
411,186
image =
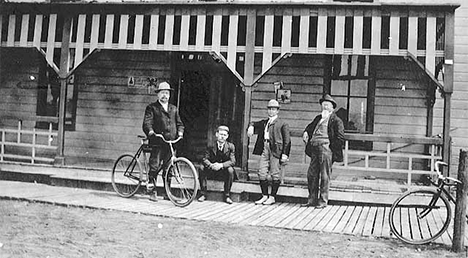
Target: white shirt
x,y
270,121
164,105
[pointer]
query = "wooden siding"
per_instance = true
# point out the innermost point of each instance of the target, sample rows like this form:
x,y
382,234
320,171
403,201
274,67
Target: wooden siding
x,y
397,112
17,88
109,112
459,111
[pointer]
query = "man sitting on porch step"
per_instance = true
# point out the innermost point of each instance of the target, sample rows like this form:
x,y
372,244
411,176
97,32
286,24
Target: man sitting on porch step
x,y
324,139
218,163
273,144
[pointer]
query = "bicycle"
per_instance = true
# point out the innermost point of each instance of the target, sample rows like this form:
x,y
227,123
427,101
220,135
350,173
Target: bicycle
x,y
179,174
421,216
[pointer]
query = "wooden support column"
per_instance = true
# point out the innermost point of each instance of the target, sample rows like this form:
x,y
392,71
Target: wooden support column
x,y
448,85
248,79
63,72
458,243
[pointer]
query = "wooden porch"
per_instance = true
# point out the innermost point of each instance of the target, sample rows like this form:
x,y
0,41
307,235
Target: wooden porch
x,y
359,220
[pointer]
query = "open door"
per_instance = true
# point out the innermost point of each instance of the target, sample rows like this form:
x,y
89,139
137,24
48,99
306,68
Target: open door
x,y
208,95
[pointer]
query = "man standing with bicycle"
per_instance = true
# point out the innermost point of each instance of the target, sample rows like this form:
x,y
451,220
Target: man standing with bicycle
x,y
161,117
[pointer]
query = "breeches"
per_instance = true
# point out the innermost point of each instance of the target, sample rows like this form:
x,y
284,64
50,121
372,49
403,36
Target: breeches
x,y
269,165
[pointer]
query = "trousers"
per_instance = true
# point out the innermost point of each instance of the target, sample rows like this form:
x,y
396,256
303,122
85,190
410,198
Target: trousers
x,y
318,174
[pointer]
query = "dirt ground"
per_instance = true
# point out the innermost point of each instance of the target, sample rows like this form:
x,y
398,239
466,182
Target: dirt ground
x,y
43,230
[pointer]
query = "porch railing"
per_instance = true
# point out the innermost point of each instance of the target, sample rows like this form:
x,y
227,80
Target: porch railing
x,y
391,154
26,143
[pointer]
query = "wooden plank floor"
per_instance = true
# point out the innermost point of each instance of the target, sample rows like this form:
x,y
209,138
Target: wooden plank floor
x,y
342,219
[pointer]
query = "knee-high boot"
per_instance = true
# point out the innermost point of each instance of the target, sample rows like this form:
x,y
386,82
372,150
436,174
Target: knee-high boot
x,y
274,187
264,187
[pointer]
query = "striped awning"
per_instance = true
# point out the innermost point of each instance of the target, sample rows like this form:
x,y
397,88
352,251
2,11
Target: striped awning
x,y
333,29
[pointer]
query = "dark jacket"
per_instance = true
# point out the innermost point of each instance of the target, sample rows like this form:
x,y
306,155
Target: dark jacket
x,y
335,135
167,123
228,156
280,137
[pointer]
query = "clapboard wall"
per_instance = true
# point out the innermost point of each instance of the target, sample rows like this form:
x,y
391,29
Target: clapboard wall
x,y
19,73
109,111
459,104
400,111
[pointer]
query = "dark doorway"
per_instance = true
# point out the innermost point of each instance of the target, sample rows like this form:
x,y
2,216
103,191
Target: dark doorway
x,y
194,91
208,95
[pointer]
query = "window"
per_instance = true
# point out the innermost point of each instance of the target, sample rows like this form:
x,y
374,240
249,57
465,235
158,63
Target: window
x,y
48,98
351,87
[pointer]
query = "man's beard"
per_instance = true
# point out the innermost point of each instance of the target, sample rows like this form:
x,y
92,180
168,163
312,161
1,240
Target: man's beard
x,y
325,113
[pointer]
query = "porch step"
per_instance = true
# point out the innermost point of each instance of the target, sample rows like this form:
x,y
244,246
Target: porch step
x,y
342,191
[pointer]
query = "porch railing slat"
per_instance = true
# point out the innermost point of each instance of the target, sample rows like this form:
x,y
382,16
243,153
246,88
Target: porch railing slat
x,y
287,29
304,30
322,31
430,44
123,31
24,30
216,36
184,32
51,38
200,38
358,32
268,42
11,31
413,34
153,33
394,33
376,30
232,41
38,30
94,32
138,37
109,31
339,32
80,31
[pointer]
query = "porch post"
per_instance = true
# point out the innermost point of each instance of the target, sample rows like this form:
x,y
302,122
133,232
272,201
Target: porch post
x,y
248,79
63,72
448,84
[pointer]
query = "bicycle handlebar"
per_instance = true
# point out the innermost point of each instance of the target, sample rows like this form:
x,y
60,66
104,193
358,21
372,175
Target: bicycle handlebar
x,y
162,137
442,177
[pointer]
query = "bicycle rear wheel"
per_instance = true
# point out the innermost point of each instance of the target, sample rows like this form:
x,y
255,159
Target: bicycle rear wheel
x,y
181,182
126,176
420,216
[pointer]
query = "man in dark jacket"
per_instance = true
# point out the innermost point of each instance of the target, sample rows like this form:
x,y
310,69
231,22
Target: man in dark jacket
x,y
161,117
324,139
218,163
273,144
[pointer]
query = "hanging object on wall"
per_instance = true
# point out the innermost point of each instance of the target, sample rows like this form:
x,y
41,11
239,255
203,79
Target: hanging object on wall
x,y
282,95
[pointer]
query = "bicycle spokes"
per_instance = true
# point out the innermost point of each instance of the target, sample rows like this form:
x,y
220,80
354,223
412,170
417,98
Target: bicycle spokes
x,y
181,182
420,216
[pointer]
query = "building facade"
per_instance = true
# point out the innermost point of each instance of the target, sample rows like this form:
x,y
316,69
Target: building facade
x,y
78,75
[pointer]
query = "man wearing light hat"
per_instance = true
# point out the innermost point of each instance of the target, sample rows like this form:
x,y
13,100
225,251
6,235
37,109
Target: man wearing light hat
x,y
161,117
218,163
324,139
273,144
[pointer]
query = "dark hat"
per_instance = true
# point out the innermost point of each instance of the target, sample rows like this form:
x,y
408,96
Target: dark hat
x,y
163,86
273,103
328,98
223,128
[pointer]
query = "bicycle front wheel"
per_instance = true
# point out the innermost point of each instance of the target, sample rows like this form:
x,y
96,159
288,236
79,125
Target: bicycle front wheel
x,y
420,216
126,176
181,182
